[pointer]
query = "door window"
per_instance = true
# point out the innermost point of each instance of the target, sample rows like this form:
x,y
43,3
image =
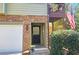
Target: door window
x,y
35,30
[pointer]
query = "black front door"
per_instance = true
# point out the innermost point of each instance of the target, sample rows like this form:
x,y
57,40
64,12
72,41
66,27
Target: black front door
x,y
35,35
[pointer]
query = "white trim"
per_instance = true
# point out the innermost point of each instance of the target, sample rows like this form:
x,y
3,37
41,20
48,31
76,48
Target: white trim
x,y
4,8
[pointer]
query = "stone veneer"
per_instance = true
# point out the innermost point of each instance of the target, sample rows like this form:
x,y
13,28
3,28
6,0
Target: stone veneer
x,y
26,21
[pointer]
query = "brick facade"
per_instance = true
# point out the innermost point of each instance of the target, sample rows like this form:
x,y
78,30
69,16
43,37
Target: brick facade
x,y
26,21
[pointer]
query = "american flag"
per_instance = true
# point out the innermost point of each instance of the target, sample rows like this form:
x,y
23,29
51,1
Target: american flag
x,y
71,20
70,15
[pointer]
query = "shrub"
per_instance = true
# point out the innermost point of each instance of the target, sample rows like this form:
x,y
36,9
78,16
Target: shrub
x,y
67,39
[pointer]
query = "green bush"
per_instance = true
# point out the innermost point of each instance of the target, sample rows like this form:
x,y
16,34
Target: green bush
x,y
68,39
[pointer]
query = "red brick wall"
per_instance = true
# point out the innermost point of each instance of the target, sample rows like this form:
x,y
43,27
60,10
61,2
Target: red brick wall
x,y
27,20
10,18
27,23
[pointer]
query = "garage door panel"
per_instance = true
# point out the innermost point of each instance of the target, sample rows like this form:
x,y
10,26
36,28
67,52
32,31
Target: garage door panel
x,y
11,38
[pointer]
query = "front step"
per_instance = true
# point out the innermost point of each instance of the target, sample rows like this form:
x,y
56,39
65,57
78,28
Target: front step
x,y
40,51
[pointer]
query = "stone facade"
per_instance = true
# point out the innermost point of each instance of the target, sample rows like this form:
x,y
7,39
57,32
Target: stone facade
x,y
26,21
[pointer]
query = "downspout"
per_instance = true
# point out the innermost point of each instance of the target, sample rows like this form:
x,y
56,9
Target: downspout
x,y
4,8
48,25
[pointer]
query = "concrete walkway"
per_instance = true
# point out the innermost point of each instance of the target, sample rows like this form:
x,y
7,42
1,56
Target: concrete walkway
x,y
10,53
39,50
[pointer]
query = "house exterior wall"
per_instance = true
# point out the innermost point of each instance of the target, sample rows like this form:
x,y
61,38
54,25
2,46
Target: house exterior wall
x,y
25,14
26,21
26,9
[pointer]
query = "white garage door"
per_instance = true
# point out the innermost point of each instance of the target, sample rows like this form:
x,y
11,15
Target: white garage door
x,y
11,37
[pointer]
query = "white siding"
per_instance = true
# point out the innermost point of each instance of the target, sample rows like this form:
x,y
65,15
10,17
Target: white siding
x,y
27,9
1,8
